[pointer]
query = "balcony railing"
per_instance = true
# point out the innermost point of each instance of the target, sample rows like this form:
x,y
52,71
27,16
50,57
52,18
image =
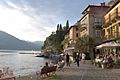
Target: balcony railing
x,y
109,37
115,16
97,24
107,20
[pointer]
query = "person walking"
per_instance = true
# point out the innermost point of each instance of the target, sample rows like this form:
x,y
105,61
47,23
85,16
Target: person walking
x,y
83,57
77,59
67,60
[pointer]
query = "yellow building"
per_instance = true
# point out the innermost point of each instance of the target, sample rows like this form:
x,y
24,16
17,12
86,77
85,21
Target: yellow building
x,y
111,27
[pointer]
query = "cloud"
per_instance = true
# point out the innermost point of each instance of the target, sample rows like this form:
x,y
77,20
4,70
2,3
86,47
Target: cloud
x,y
36,19
24,22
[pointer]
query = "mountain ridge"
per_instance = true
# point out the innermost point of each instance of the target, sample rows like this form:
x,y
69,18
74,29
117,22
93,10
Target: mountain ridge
x,y
9,42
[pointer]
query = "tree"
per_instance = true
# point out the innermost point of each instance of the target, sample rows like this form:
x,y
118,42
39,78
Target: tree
x,y
60,29
57,27
67,24
54,40
65,42
83,43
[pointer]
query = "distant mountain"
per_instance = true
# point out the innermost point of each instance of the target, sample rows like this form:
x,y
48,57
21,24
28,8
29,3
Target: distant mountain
x,y
38,42
9,42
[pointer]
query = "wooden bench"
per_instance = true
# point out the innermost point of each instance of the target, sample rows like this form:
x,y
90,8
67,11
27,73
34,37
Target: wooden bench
x,y
46,71
8,78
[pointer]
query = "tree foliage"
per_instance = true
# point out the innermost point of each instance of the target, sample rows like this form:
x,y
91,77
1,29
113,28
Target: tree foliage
x,y
65,42
67,24
83,43
54,41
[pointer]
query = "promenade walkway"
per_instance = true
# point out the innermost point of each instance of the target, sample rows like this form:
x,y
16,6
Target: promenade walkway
x,y
88,72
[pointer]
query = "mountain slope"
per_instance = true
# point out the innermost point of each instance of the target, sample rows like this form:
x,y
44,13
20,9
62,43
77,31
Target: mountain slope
x,y
9,42
38,42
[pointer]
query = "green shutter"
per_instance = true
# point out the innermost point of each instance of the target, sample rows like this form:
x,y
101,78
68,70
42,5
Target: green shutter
x,y
117,12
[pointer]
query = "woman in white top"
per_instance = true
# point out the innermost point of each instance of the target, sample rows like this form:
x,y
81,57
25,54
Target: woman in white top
x,y
83,58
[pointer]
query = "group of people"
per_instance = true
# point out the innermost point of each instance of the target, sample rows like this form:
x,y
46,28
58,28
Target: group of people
x,y
108,59
67,60
59,65
79,57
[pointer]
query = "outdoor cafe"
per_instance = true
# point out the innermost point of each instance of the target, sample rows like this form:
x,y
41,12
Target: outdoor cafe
x,y
108,55
110,47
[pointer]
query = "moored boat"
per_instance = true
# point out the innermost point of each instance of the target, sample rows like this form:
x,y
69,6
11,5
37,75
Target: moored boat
x,y
39,55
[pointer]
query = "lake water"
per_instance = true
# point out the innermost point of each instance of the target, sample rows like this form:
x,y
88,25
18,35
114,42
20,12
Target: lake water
x,y
21,64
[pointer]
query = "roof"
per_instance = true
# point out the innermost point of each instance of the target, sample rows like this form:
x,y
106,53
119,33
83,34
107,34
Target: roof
x,y
75,25
89,7
92,6
82,17
72,26
113,6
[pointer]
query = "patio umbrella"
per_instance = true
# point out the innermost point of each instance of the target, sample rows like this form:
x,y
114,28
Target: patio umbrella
x,y
100,46
111,44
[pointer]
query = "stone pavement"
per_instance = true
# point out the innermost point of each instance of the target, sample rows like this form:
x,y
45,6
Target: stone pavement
x,y
88,72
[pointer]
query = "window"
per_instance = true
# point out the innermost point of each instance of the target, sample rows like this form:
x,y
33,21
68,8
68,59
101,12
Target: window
x,y
117,11
109,17
98,20
103,32
76,29
108,31
76,34
98,33
113,31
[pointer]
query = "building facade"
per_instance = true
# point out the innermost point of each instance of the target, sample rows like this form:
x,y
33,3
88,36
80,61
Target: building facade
x,y
72,35
100,22
91,24
111,27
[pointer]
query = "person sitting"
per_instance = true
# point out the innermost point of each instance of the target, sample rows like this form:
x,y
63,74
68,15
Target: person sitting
x,y
44,69
61,64
51,64
104,62
110,61
46,65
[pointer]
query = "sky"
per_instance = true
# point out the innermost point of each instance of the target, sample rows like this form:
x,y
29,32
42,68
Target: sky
x,y
34,20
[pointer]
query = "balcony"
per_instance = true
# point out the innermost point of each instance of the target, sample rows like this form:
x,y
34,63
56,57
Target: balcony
x,y
115,17
111,19
105,38
107,22
97,25
110,37
83,26
105,25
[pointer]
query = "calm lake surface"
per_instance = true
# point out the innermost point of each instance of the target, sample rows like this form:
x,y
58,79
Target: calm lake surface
x,y
21,64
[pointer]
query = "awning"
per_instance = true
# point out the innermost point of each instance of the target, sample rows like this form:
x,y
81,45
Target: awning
x,y
70,48
110,44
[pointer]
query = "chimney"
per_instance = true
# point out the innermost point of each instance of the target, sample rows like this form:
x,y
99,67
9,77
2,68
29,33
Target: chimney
x,y
103,4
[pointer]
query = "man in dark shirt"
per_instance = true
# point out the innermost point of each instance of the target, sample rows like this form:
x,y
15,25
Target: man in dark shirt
x,y
68,60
